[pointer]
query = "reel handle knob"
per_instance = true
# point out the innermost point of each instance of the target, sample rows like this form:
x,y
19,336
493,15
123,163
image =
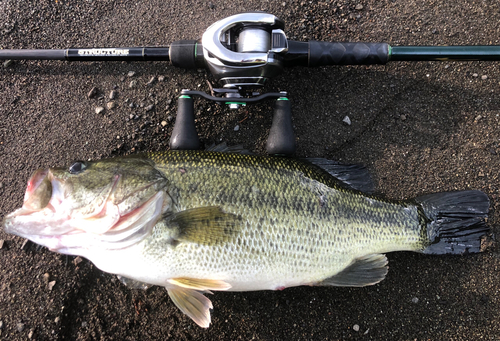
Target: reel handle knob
x,y
184,135
281,138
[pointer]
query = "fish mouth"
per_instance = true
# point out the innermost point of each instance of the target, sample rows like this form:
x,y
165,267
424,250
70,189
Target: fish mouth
x,y
45,220
43,195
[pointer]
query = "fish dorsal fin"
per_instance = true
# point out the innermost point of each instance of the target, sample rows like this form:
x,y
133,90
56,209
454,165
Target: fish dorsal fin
x,y
200,284
192,303
207,225
367,270
224,148
354,176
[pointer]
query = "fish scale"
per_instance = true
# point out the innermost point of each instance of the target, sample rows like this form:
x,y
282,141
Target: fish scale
x,y
294,224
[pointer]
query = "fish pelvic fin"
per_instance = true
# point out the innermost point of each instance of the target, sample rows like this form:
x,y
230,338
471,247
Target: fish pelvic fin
x,y
363,271
192,303
200,284
455,221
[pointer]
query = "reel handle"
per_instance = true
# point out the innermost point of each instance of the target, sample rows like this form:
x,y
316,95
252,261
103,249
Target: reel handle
x,y
281,138
184,135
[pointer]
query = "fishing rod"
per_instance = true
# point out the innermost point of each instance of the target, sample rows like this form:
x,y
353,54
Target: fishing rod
x,y
243,52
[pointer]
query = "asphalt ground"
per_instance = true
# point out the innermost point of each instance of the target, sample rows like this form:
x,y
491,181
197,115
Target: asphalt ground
x,y
420,127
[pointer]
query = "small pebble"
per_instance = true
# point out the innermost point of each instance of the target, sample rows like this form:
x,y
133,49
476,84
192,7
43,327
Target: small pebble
x,y
347,120
131,74
414,300
211,5
51,285
161,78
24,244
99,110
92,92
30,334
110,105
84,324
8,63
151,81
170,118
355,328
1,247
77,260
1,185
475,75
112,94
163,123
132,84
484,77
150,107
478,117
402,117
57,319
20,327
359,7
1,324
237,128
46,277
131,116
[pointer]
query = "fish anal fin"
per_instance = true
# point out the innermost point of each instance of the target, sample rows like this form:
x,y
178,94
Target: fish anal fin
x,y
363,271
205,225
200,284
192,303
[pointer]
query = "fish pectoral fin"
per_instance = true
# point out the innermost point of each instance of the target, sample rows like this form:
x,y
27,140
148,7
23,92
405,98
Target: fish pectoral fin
x,y
363,271
192,303
200,284
205,225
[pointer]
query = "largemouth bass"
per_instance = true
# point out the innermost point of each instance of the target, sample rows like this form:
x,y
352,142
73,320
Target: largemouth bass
x,y
196,221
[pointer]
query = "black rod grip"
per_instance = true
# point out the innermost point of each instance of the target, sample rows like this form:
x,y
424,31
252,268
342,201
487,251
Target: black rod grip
x,y
324,53
33,54
184,135
183,54
281,138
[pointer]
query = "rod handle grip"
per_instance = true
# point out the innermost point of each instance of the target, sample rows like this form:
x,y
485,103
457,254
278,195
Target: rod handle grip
x,y
325,53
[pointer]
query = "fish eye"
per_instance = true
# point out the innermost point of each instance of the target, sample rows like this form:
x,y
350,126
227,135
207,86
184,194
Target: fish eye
x,y
77,167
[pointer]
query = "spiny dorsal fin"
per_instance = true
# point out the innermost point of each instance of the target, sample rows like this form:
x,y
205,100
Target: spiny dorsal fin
x,y
200,284
224,148
354,176
367,270
205,225
192,303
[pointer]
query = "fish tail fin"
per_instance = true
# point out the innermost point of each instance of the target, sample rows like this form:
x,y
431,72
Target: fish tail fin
x,y
455,221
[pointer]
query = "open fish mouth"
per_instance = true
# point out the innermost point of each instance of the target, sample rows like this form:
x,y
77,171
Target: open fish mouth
x,y
47,219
